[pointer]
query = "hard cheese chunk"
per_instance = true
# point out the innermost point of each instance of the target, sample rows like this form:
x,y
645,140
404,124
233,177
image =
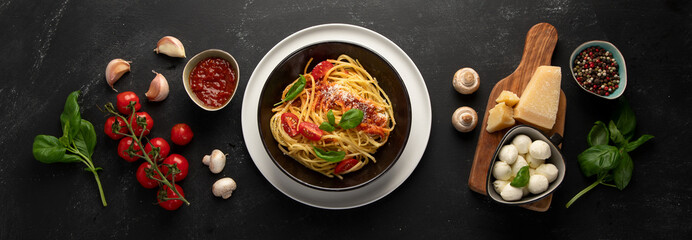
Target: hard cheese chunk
x,y
500,117
540,99
508,98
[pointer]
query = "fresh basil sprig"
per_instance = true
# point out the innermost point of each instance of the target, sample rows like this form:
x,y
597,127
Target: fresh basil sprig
x,y
351,118
327,127
522,177
329,156
75,145
610,163
293,92
331,118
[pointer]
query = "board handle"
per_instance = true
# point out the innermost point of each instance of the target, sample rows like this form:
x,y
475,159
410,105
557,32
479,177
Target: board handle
x,y
538,50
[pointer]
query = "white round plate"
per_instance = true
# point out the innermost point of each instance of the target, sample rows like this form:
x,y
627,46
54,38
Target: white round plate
x,y
421,117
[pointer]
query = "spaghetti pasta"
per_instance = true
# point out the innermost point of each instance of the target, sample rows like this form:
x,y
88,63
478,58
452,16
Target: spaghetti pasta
x,y
343,86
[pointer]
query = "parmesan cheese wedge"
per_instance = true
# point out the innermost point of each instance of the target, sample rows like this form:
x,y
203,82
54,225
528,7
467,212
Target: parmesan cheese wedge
x,y
539,101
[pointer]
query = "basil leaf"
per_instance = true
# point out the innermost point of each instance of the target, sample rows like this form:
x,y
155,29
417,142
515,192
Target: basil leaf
x,y
70,113
623,172
47,149
330,117
522,178
293,92
598,135
615,135
641,140
598,159
86,140
351,118
329,156
625,120
327,127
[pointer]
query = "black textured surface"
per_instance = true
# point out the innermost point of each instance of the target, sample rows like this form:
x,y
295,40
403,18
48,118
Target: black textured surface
x,y
50,48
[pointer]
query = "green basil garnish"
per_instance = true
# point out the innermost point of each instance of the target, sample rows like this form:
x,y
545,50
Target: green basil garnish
x,y
351,118
329,156
293,92
330,117
327,127
522,177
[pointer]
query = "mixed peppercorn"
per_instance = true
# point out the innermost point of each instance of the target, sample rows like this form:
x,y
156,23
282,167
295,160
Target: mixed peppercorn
x,y
597,71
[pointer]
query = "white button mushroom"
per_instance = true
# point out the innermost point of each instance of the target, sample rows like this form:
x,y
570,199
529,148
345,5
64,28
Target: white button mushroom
x,y
548,170
534,162
538,184
466,81
518,165
217,161
511,193
206,159
502,171
539,149
508,154
522,143
499,185
464,119
224,187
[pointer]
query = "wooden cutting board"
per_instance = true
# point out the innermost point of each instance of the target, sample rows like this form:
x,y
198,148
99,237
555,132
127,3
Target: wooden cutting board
x,y
538,51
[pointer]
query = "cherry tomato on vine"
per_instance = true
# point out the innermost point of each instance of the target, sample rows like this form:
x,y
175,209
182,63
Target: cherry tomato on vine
x,y
181,134
345,165
124,99
320,69
123,149
144,179
310,131
289,122
166,192
138,129
164,148
180,162
110,126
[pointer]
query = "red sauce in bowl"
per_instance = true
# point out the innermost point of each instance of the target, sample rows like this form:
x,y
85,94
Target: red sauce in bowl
x,y
213,81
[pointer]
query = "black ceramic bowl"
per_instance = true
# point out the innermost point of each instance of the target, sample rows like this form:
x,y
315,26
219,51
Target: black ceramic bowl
x,y
389,80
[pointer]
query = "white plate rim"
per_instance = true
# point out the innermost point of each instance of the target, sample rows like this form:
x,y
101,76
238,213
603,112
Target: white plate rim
x,y
421,116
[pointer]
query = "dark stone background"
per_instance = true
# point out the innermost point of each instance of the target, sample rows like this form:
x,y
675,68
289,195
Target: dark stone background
x,y
50,48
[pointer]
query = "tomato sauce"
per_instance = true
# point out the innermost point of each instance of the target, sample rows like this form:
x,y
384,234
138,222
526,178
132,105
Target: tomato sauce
x,y
213,81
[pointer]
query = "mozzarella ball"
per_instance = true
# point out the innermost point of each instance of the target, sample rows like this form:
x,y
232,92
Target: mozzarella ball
x,y
522,142
548,170
510,193
539,149
502,171
518,165
534,162
508,154
499,185
538,184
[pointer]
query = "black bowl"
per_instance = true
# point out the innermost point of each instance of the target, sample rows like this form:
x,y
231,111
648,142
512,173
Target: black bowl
x,y
389,80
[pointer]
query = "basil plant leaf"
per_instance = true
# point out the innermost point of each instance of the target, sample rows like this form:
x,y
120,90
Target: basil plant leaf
x,y
522,178
293,92
71,114
615,135
330,118
351,118
329,156
623,172
86,140
641,140
625,120
598,159
598,135
327,127
47,149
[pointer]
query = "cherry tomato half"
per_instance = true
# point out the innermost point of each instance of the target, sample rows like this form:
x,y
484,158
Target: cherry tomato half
x,y
110,128
179,162
181,134
170,205
143,177
124,99
320,69
138,129
161,144
289,121
345,165
310,131
123,149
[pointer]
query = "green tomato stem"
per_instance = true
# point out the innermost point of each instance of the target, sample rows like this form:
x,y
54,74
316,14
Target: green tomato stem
x,y
582,193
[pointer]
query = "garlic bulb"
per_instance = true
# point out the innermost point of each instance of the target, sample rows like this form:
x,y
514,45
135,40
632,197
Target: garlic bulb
x,y
115,69
158,89
170,46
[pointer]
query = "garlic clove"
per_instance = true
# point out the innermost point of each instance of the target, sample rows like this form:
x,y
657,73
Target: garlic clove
x,y
170,46
158,89
115,69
